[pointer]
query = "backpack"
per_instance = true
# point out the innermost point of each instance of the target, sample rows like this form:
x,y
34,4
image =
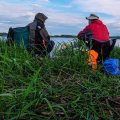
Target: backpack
x,y
19,36
28,36
92,59
111,66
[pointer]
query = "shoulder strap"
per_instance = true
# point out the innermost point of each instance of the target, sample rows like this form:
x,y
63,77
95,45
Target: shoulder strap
x,y
40,38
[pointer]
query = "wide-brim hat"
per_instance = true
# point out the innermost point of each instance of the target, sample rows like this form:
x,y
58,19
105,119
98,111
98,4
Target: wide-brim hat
x,y
92,17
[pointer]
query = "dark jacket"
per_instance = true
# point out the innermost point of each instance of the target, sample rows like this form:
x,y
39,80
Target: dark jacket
x,y
98,29
37,26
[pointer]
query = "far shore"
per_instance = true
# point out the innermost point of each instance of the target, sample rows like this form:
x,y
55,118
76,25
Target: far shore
x,y
65,36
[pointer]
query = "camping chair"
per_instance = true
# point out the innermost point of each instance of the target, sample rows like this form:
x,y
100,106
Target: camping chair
x,y
103,48
22,35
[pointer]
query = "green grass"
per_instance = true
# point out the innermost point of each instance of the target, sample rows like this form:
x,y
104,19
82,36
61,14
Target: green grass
x,y
61,88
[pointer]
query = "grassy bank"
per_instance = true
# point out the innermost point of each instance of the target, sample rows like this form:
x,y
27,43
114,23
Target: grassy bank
x,y
60,88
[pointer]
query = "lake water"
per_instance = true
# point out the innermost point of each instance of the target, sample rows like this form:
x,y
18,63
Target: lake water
x,y
68,40
118,43
59,40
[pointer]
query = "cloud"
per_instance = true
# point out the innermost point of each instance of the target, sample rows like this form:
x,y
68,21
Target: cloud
x,y
13,14
110,7
60,17
66,6
65,19
70,17
108,10
43,1
26,13
13,10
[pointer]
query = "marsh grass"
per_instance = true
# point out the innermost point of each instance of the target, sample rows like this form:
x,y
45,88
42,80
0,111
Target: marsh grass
x,y
63,87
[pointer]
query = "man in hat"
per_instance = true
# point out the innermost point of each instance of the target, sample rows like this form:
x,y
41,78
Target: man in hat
x,y
96,29
96,33
40,41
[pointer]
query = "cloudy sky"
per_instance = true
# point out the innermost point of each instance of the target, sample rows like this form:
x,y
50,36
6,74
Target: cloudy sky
x,y
65,16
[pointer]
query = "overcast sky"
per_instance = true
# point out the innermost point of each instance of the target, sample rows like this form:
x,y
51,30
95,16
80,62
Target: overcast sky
x,y
64,16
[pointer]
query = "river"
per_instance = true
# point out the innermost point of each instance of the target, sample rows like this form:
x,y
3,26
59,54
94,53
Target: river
x,y
68,40
59,40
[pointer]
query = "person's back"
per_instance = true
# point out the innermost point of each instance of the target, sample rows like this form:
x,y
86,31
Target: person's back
x,y
98,30
97,34
39,37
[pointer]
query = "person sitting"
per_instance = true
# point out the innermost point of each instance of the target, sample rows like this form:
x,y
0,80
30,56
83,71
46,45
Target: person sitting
x,y
96,37
40,41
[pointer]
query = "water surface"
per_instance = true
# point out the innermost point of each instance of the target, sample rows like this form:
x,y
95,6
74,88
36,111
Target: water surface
x,y
60,40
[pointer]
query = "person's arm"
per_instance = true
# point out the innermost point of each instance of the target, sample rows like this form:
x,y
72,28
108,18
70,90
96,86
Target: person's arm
x,y
87,28
45,35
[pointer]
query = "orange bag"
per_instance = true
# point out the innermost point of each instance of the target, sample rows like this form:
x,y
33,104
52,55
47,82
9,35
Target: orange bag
x,y
92,59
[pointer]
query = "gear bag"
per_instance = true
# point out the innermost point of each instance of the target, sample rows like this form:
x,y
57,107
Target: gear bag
x,y
92,59
111,66
19,36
